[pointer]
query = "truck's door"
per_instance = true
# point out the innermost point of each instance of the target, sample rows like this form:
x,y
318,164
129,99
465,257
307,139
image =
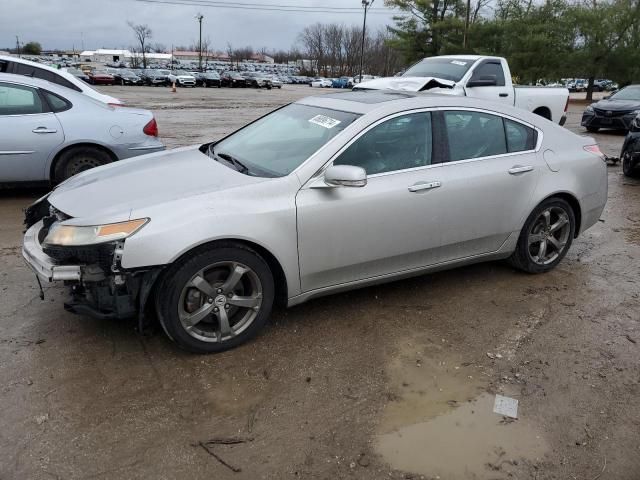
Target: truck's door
x,y
480,84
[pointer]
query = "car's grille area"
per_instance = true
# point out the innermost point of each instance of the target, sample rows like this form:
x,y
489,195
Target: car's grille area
x,y
101,255
613,113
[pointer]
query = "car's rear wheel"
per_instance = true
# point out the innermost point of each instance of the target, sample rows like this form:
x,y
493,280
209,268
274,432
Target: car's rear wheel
x,y
79,159
216,299
593,129
546,237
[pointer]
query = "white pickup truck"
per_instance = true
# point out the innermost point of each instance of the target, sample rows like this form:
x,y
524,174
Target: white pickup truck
x,y
476,76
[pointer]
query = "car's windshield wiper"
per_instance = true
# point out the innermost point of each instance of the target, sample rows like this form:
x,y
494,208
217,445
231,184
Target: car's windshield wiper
x,y
239,166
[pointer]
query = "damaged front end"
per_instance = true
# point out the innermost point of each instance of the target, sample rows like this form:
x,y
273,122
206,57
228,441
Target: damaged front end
x,y
100,286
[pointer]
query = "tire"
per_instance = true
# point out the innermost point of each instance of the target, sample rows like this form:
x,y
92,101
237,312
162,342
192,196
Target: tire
x,y
593,129
79,159
178,301
527,256
629,167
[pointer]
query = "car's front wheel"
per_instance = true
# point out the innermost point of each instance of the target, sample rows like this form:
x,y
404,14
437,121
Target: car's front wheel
x,y
215,299
629,167
546,237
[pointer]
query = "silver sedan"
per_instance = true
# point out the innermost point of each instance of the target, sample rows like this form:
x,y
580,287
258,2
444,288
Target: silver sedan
x,y
49,132
327,194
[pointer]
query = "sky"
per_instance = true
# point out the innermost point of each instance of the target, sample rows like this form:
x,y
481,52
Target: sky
x,y
65,24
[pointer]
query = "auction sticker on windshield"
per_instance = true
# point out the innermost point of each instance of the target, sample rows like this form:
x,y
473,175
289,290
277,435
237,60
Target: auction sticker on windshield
x,y
324,121
458,62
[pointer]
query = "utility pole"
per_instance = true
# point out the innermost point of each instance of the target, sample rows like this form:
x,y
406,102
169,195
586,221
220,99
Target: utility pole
x,y
366,4
199,17
466,27
18,46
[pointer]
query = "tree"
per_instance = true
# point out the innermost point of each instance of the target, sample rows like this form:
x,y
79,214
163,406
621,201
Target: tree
x,y
143,33
32,48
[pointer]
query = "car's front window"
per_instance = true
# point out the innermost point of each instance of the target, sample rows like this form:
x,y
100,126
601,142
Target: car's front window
x,y
628,93
278,143
440,67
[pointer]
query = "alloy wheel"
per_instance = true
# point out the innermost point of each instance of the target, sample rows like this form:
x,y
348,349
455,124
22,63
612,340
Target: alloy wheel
x,y
549,235
220,302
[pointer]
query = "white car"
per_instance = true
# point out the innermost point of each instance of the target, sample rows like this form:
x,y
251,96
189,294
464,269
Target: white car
x,y
182,79
477,76
322,83
61,77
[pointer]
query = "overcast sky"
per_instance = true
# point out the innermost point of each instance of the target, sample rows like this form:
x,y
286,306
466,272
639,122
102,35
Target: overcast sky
x,y
64,24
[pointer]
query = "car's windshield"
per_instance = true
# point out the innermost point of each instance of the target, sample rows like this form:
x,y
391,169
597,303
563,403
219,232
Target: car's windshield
x,y
280,142
631,92
440,67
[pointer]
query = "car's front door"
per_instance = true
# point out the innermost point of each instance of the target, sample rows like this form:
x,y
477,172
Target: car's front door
x,y
28,134
347,234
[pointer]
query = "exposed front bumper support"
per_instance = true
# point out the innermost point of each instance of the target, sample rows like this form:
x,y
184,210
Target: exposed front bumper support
x,y
43,265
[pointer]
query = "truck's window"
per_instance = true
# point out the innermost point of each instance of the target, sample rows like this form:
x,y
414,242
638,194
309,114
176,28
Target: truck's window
x,y
474,135
520,138
446,68
491,68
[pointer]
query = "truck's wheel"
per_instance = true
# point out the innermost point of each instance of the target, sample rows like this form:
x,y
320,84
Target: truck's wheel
x,y
79,159
216,299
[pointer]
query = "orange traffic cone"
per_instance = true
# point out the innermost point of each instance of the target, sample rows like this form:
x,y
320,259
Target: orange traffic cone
x,y
173,87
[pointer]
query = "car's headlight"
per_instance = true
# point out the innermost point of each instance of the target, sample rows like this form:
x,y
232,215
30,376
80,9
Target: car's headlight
x,y
589,109
71,235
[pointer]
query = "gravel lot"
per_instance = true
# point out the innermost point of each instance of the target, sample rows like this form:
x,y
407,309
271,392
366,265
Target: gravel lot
x,y
382,382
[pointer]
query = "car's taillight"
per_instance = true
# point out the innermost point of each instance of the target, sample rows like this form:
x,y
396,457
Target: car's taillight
x,y
151,128
595,149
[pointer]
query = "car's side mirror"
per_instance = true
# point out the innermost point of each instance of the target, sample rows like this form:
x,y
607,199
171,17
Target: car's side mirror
x,y
482,81
345,176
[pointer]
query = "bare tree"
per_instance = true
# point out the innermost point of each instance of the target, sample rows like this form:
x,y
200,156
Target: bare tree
x,y
143,34
157,48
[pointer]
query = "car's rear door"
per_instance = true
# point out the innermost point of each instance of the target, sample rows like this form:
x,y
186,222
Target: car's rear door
x,y
28,133
487,181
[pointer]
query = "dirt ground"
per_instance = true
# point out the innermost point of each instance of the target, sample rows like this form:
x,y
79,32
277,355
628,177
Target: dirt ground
x,y
393,381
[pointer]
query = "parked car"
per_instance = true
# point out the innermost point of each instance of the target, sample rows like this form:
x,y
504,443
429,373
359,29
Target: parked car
x,y
49,132
257,80
209,79
79,74
232,79
321,83
618,110
124,76
182,79
275,81
20,66
100,77
630,153
476,76
326,194
342,82
156,78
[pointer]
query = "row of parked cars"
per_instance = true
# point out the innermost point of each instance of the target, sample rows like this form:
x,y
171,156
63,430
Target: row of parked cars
x,y
165,77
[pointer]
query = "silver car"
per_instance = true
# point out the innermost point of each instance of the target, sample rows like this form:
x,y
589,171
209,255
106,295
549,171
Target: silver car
x,y
49,132
327,194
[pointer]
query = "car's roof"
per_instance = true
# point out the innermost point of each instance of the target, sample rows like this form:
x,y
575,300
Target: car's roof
x,y
391,101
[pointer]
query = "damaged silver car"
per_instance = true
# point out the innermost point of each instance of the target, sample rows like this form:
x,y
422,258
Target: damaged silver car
x,y
326,194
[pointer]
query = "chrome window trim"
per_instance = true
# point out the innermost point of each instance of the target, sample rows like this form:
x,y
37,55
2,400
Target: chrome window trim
x,y
537,148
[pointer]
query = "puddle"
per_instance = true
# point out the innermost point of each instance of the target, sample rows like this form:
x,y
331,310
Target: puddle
x,y
440,420
470,442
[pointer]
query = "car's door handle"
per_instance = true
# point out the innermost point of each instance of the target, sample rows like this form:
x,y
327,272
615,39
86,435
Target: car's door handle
x,y
420,186
44,130
520,169
503,94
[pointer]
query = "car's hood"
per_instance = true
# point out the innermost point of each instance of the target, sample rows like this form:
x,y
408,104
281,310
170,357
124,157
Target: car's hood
x,y
407,84
617,105
148,180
